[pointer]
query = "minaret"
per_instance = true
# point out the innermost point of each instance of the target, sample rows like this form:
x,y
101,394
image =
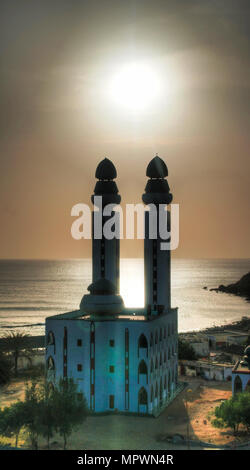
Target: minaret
x,y
156,260
106,253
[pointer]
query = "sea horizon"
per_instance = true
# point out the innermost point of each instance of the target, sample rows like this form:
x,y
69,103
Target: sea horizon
x,y
33,289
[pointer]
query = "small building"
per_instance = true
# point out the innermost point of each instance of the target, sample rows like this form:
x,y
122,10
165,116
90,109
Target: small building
x,y
198,341
205,369
241,373
226,338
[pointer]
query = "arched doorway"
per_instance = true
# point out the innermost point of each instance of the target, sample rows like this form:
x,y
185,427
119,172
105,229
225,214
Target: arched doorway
x,y
237,385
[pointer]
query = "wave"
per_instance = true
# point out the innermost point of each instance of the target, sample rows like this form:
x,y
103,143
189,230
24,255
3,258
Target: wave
x,y
21,326
31,309
67,280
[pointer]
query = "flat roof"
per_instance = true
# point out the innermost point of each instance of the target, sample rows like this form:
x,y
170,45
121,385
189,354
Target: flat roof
x,y
241,368
133,314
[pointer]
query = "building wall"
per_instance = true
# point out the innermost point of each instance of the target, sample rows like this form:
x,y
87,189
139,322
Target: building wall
x,y
96,357
201,349
36,359
245,380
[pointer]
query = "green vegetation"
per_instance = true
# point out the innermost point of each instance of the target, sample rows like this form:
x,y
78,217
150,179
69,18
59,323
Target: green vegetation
x,y
15,344
186,351
5,368
46,410
233,412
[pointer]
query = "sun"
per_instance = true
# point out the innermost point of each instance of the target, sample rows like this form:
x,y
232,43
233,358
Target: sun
x,y
135,87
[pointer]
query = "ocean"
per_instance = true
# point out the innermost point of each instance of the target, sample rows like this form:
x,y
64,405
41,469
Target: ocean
x,y
31,290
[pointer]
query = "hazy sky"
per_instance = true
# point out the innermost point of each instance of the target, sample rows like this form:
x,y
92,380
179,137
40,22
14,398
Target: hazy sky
x,y
57,119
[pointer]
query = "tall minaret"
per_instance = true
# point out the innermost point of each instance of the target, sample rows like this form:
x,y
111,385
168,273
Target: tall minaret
x,y
106,253
156,260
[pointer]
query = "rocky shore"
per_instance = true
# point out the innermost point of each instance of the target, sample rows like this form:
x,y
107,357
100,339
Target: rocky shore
x,y
241,287
242,325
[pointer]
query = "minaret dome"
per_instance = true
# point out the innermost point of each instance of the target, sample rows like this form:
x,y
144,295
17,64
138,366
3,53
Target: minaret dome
x,y
106,170
157,168
105,186
157,189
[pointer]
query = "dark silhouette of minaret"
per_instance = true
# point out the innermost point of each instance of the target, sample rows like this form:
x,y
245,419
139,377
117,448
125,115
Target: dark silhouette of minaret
x,y
156,260
106,253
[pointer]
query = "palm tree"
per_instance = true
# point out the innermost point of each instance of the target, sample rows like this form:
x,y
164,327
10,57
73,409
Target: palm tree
x,y
16,344
5,368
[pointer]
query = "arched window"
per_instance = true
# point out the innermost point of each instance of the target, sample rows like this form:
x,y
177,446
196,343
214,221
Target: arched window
x,y
156,337
50,338
165,333
143,342
161,334
156,390
152,366
161,390
237,385
151,340
51,370
50,363
169,330
160,360
165,382
152,394
169,352
142,369
247,388
156,363
165,357
142,396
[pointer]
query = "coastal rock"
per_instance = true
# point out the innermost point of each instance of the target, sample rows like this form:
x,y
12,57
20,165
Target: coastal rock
x,y
241,287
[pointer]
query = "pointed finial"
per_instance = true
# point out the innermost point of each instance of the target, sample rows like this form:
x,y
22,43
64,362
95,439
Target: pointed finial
x,y
106,170
157,168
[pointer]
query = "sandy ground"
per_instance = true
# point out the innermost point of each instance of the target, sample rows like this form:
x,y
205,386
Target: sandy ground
x,y
187,414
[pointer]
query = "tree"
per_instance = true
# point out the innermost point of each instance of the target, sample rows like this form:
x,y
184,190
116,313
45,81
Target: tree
x,y
244,407
47,416
227,415
186,351
12,420
233,412
44,411
33,409
69,411
16,343
5,368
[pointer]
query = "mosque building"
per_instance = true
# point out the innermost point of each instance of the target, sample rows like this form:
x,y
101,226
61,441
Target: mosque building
x,y
123,359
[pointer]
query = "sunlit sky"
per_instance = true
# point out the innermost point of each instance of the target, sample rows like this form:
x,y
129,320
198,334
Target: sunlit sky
x,y
65,106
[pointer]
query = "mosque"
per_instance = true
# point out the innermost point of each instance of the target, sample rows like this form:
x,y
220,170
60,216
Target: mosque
x,y
123,359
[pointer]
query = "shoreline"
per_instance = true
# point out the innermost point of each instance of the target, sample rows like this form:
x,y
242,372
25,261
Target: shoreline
x,y
242,325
